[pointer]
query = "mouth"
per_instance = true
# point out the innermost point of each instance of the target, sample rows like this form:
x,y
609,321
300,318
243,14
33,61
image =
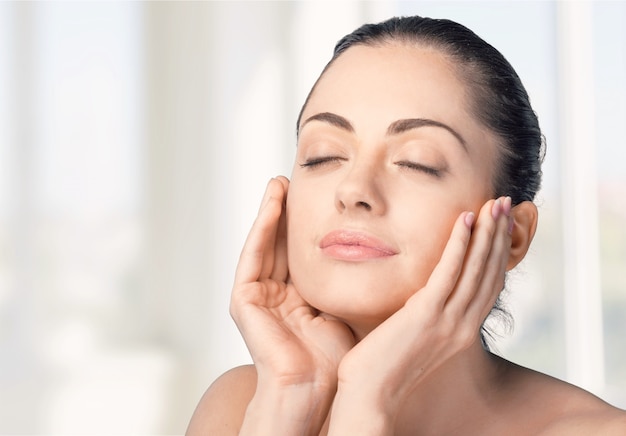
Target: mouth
x,y
353,246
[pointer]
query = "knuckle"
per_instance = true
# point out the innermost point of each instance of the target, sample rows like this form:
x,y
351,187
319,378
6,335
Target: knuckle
x,y
457,330
235,304
233,310
241,295
465,336
445,325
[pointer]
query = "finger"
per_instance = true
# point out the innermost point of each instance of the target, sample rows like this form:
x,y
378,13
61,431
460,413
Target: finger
x,y
446,273
276,267
495,268
257,256
284,181
280,270
275,203
474,263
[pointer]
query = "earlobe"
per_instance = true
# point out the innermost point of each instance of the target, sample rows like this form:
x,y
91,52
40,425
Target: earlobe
x,y
525,216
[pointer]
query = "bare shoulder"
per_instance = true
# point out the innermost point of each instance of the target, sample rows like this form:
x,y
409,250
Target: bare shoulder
x,y
605,420
559,408
222,407
585,414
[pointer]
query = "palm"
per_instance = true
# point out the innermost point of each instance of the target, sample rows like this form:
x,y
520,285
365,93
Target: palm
x,y
286,337
296,341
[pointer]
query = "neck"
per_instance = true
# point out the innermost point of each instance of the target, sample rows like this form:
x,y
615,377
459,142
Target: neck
x,y
463,392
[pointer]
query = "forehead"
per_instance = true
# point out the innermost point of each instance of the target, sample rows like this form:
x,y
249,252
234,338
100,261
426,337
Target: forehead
x,y
392,81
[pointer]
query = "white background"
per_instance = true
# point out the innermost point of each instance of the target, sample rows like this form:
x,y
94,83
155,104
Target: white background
x,y
136,140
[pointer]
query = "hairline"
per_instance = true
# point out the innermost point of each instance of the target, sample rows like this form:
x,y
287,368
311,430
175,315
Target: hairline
x,y
423,42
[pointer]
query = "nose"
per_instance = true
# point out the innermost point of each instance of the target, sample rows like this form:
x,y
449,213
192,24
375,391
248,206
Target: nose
x,y
360,191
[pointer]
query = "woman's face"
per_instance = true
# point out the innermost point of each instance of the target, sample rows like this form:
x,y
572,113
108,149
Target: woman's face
x,y
388,157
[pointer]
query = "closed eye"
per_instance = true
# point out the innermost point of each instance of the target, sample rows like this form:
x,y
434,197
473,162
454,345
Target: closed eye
x,y
320,161
436,172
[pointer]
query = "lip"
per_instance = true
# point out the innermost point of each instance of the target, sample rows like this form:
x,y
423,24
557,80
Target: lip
x,y
354,246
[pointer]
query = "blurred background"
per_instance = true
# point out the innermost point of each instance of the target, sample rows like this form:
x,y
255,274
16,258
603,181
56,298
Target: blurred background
x,y
136,140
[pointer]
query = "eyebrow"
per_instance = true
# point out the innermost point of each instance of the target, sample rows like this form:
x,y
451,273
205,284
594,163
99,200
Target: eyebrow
x,y
330,118
395,128
402,126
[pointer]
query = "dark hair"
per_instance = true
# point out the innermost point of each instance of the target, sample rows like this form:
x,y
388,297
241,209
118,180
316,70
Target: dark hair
x,y
497,97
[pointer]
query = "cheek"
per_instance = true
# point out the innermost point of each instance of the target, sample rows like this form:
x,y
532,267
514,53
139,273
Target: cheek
x,y
303,273
307,203
299,210
425,243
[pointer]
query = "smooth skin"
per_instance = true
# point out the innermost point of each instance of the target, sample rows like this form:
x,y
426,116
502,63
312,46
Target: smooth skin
x,y
388,345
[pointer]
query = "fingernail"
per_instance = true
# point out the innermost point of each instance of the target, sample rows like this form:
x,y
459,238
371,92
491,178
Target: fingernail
x,y
496,209
506,206
511,225
469,219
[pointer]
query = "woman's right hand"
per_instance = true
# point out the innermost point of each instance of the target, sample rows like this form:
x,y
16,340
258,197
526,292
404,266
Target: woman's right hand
x,y
296,350
436,323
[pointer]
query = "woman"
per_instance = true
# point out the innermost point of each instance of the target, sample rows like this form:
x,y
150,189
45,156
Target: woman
x,y
364,283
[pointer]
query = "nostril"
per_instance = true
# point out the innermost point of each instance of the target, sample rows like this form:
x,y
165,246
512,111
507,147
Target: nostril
x,y
364,205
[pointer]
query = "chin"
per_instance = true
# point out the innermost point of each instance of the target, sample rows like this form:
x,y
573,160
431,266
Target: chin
x,y
363,304
368,292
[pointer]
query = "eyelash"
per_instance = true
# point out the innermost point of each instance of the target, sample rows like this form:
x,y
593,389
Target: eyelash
x,y
319,161
419,167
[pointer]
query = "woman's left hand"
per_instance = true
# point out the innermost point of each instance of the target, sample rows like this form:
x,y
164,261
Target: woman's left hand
x,y
436,323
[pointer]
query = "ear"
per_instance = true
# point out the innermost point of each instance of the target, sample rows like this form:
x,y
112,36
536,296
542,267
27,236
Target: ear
x,y
525,216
